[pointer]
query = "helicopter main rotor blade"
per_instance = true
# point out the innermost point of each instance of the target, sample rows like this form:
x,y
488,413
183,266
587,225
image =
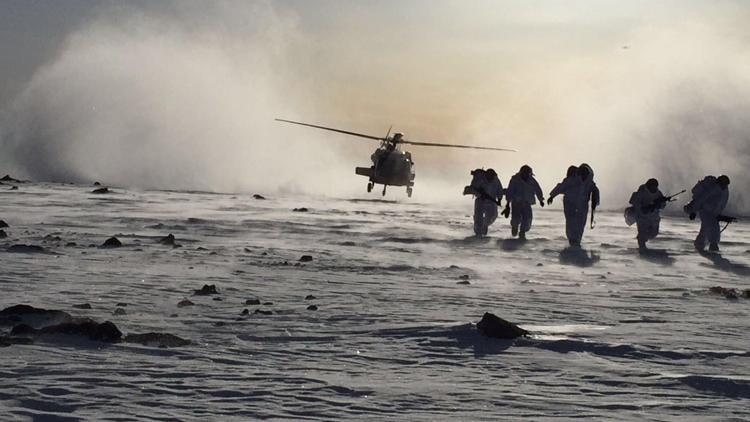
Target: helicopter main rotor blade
x,y
432,144
346,132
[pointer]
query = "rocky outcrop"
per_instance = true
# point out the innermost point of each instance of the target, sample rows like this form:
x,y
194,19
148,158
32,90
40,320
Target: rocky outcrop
x,y
36,317
26,249
305,258
30,323
3,224
493,326
100,191
105,332
260,197
10,341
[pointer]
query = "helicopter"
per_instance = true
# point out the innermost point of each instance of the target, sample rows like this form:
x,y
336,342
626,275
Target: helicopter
x,y
390,166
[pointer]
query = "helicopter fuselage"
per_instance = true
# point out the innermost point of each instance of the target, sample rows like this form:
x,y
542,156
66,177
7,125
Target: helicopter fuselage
x,y
390,167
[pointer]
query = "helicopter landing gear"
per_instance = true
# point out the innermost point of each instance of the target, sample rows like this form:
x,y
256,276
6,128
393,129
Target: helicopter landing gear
x,y
408,191
384,186
369,187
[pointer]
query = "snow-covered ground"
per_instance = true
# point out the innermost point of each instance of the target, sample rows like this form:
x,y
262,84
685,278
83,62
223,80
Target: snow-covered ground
x,y
617,336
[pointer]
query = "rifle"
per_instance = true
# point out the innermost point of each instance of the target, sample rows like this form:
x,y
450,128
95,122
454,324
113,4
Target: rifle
x,y
480,193
662,200
726,219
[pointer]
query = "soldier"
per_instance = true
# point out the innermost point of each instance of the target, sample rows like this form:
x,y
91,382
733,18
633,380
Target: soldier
x,y
523,191
647,203
568,188
587,191
710,197
488,190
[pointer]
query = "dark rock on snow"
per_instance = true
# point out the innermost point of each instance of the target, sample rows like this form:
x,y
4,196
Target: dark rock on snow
x,y
262,312
245,312
26,249
252,302
3,235
184,302
82,306
97,184
305,258
493,326
167,240
727,292
301,209
101,191
7,178
207,289
156,340
312,308
310,297
464,282
3,224
261,197
112,242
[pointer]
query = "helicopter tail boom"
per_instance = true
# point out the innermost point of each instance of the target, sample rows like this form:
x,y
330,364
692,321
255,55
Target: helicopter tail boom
x,y
363,171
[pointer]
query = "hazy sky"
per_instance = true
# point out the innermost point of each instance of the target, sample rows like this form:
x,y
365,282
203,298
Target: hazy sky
x,y
622,85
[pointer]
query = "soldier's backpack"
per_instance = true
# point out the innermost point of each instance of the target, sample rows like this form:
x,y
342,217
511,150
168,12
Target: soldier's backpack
x,y
477,180
700,189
